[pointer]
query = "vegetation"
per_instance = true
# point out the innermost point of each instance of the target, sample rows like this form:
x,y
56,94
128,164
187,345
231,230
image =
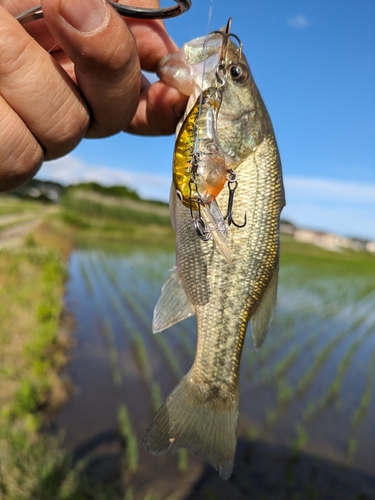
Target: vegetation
x,y
316,345
94,187
345,264
107,214
33,339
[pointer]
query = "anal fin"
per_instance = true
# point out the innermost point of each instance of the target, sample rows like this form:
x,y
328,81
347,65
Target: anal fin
x,y
262,317
173,305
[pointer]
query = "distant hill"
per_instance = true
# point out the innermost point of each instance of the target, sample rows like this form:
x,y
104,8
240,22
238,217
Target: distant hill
x,y
53,191
116,191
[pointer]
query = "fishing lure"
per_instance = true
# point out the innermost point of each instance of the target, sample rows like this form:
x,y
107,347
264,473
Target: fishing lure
x,y
199,167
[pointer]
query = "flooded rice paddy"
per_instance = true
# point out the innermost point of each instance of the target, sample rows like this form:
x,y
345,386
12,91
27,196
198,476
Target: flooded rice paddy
x,y
307,422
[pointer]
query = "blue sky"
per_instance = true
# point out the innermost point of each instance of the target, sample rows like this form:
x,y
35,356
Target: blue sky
x,y
314,64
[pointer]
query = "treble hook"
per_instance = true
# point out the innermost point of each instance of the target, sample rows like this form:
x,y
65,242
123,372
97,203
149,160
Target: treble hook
x,y
221,69
232,180
183,6
226,35
199,224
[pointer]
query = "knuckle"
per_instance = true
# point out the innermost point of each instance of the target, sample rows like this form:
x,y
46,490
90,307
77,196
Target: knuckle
x,y
21,168
64,135
20,154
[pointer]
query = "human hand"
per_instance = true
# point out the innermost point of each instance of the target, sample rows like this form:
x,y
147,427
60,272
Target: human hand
x,y
76,74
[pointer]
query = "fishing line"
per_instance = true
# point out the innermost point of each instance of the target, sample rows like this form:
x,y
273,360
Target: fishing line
x,y
210,9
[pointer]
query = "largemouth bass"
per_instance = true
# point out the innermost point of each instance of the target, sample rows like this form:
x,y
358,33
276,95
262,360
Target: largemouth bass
x,y
202,412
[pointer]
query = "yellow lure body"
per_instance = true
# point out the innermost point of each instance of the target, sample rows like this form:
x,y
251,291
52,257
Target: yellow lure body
x,y
199,167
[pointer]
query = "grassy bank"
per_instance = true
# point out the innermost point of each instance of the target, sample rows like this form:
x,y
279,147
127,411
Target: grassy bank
x,y
33,344
35,335
100,218
322,261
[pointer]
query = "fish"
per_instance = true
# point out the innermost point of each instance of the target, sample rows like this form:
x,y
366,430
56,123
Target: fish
x,y
202,411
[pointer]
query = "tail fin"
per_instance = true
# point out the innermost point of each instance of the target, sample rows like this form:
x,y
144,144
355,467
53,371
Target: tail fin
x,y
206,424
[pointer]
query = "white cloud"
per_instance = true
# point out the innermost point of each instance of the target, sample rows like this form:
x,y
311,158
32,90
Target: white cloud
x,y
299,21
331,191
342,207
71,170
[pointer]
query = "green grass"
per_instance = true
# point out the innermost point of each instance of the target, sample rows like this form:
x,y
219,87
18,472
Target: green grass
x,y
11,205
312,260
33,347
113,218
33,279
104,207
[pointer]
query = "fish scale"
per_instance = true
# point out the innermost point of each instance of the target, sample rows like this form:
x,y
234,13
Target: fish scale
x,y
201,413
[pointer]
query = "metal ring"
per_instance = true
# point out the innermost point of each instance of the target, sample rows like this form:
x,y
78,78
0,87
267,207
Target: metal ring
x,y
182,6
201,229
232,176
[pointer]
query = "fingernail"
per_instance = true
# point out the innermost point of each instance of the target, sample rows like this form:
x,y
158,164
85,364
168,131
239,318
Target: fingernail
x,y
84,15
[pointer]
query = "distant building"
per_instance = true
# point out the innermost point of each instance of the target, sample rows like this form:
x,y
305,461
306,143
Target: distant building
x,y
328,241
287,227
40,190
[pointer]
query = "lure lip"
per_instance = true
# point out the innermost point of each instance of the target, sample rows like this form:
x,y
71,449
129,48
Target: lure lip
x,y
182,6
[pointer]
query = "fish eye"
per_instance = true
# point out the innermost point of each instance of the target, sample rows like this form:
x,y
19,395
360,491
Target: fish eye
x,y
238,73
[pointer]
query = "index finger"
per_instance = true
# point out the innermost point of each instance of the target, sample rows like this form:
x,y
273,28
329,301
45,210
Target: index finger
x,y
152,39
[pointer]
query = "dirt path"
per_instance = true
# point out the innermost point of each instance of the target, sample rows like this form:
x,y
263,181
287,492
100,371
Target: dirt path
x,y
18,226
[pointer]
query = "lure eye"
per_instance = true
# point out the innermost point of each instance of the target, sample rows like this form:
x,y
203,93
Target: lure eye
x,y
238,73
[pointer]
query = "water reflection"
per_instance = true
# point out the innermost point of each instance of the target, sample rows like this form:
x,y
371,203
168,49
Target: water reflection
x,y
307,393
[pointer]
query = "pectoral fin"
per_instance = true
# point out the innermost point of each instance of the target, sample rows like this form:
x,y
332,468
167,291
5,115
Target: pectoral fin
x,y
173,305
262,317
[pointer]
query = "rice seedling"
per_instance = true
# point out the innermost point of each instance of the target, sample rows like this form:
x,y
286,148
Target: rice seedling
x,y
141,355
322,356
112,353
313,321
182,460
168,354
286,393
139,349
360,412
352,448
300,440
129,438
184,338
333,389
151,496
86,276
269,373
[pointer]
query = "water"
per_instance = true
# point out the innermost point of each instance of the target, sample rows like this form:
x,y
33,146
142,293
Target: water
x,y
307,398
